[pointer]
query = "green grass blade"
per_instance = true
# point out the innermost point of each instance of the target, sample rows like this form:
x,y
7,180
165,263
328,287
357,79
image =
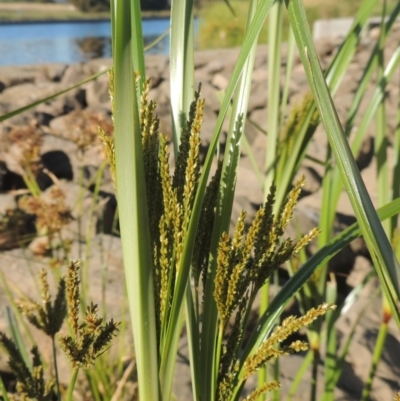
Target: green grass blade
x,y
369,69
396,161
3,390
335,185
376,357
132,205
331,335
138,60
181,65
334,375
274,86
17,337
51,97
291,47
382,254
344,56
193,336
300,375
376,99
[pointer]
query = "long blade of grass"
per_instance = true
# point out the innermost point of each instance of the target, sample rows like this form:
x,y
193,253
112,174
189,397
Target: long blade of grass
x,y
17,337
137,44
381,148
3,390
346,52
366,119
300,375
274,86
181,65
369,69
51,97
193,336
382,254
132,205
334,374
331,334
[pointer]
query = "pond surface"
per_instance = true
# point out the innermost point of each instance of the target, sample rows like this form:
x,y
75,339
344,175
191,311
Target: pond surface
x,y
68,42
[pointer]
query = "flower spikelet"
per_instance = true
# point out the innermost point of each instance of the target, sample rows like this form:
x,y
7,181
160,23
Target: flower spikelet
x,y
30,384
204,232
25,144
288,207
221,282
192,172
266,234
230,264
305,240
265,388
111,88
230,352
268,350
149,125
295,122
91,339
192,128
73,295
50,209
234,294
109,146
165,264
47,317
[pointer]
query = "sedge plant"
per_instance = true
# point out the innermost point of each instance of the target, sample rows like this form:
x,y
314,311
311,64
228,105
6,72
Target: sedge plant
x,y
89,338
156,313
177,266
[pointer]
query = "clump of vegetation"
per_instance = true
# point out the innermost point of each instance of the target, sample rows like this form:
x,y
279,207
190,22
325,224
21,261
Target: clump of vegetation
x,y
88,341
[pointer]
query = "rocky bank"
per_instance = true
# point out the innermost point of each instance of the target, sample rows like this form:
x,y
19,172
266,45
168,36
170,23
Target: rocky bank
x,y
62,132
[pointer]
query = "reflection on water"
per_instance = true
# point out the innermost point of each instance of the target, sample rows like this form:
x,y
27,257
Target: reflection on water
x,y
91,48
94,47
69,42
160,47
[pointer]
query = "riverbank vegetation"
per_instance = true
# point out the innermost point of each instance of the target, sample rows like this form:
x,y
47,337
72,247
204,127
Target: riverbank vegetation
x,y
16,11
220,29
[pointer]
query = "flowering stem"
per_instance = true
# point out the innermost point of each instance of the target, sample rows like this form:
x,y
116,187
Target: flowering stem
x,y
56,368
72,384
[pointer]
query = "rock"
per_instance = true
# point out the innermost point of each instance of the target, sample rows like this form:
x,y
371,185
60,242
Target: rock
x,y
97,92
73,74
219,82
10,76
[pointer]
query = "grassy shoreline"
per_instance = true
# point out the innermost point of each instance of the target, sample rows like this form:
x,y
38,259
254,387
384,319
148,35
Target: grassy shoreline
x,y
31,12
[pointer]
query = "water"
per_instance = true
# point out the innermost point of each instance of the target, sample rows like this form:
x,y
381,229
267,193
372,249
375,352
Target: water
x,y
68,42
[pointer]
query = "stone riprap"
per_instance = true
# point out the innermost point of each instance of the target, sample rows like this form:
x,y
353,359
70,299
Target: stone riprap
x,y
67,120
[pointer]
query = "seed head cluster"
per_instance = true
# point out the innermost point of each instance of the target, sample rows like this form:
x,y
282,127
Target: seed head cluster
x,y
90,337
